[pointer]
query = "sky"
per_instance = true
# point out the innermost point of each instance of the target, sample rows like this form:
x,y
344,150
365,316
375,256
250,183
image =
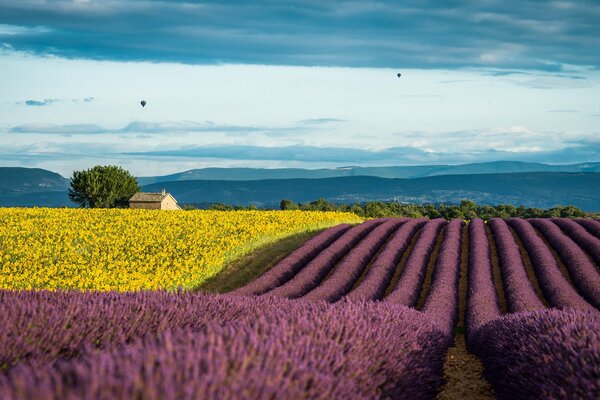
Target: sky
x,y
296,83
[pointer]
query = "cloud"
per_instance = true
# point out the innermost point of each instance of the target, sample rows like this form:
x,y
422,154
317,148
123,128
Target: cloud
x,y
52,129
510,144
274,143
391,156
167,127
564,110
48,102
14,30
288,153
320,121
39,103
386,33
494,72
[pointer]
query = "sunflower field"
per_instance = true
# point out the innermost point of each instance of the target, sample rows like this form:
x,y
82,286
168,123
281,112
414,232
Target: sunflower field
x,y
125,250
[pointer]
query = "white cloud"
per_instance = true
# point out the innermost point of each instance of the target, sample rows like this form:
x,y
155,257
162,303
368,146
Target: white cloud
x,y
16,30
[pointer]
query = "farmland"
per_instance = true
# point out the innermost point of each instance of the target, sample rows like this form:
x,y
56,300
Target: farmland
x,y
135,249
357,311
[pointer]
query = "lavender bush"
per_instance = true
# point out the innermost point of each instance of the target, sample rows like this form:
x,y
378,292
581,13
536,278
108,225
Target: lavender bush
x,y
350,268
555,287
46,325
311,275
285,269
520,295
581,236
412,276
380,274
550,354
441,304
591,225
292,349
482,299
582,271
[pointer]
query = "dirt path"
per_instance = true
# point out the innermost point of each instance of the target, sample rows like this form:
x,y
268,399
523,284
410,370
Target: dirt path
x,y
462,370
463,374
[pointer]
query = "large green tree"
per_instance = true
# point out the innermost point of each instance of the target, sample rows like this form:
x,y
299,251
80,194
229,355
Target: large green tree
x,y
102,187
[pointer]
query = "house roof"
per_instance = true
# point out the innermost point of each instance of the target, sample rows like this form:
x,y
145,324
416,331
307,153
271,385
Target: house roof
x,y
149,197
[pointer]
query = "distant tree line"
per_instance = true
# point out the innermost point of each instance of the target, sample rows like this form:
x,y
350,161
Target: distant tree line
x,y
467,209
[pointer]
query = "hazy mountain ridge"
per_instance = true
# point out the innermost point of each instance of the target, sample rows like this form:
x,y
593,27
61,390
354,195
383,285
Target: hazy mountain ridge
x,y
419,171
17,181
541,189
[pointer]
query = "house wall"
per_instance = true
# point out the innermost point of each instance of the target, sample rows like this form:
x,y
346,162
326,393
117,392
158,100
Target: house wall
x,y
145,206
169,203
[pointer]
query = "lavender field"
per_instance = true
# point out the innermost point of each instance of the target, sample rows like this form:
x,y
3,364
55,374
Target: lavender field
x,y
364,312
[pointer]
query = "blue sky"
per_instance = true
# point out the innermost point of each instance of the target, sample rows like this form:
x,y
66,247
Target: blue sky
x,y
297,83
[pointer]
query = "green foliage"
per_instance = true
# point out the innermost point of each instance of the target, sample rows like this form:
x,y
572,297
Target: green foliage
x,y
222,207
288,205
322,205
467,210
102,187
567,212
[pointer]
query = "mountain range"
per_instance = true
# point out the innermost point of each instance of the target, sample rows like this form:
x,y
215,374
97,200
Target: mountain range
x,y
531,185
419,171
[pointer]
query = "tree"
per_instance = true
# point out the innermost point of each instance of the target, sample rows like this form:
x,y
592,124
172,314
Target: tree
x,y
222,207
468,208
102,187
321,205
566,212
375,209
287,204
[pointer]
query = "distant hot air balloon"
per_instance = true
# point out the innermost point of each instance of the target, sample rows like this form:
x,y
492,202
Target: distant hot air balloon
x,y
399,75
143,103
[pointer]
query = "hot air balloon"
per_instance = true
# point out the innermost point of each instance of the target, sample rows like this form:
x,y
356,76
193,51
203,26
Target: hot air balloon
x,y
399,75
143,103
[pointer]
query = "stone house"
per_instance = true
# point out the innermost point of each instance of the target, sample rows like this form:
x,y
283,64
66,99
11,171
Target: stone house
x,y
154,201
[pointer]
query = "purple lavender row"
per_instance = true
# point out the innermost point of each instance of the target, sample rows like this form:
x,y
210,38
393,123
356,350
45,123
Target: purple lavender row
x,y
45,325
582,271
351,267
555,287
314,272
411,279
292,349
482,299
441,303
550,354
581,236
285,269
382,270
520,295
591,225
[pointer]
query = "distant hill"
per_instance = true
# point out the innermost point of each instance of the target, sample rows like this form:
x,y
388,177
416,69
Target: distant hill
x,y
15,181
247,174
28,187
538,189
39,199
